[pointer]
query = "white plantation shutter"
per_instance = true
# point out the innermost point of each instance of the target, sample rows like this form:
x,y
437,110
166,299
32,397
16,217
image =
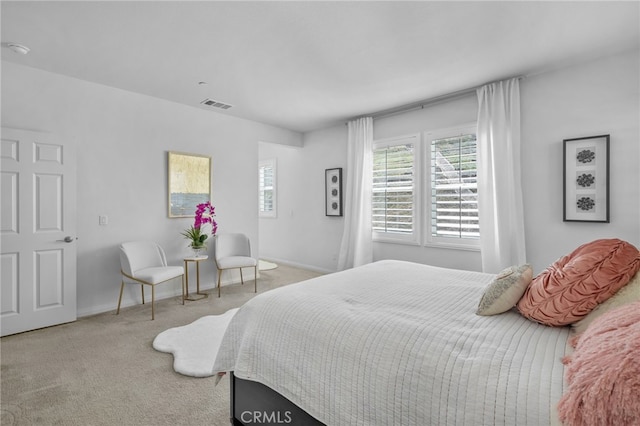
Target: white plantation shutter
x,y
454,188
266,188
393,202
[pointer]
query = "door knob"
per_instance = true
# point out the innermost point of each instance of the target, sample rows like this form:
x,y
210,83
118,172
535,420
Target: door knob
x,y
67,239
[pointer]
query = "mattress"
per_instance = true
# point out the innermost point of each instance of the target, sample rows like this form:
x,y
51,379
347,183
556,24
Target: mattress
x,y
397,342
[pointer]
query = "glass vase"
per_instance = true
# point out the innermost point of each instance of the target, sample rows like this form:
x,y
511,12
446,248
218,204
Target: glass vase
x,y
198,251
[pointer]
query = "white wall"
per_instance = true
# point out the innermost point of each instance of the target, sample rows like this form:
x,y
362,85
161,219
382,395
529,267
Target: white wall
x,y
121,140
599,97
301,234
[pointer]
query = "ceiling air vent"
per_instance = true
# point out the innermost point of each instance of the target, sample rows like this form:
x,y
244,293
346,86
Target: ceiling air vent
x,y
215,104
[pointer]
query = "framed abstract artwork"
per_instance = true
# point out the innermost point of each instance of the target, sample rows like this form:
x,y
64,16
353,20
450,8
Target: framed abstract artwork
x,y
189,182
586,179
333,192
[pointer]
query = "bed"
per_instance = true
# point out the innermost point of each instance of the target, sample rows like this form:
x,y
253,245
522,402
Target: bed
x,y
389,343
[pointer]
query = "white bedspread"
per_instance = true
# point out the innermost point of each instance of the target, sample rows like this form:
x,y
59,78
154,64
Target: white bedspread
x,y
397,343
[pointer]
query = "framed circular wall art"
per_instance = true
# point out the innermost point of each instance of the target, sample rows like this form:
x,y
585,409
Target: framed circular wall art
x,y
586,179
333,191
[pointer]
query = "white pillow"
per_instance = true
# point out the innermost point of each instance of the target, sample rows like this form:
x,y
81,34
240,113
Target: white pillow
x,y
505,290
627,294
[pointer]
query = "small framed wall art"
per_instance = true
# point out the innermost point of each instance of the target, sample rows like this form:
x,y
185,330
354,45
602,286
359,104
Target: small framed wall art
x,y
333,191
586,179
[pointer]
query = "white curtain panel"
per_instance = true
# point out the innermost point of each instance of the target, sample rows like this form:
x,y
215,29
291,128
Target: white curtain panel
x,y
357,245
499,183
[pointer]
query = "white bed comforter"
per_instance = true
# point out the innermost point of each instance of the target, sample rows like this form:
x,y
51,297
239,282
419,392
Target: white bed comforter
x,y
397,343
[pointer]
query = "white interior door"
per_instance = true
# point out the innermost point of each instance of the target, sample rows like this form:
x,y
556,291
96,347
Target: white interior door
x,y
38,225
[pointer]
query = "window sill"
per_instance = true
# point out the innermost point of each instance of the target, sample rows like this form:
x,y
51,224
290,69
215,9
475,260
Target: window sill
x,y
447,246
391,240
453,246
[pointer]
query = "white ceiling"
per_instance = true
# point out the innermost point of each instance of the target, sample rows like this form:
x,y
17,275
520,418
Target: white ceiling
x,y
308,65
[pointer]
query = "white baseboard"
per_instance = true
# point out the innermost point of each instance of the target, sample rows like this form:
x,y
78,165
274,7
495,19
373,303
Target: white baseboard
x,y
165,291
298,265
168,291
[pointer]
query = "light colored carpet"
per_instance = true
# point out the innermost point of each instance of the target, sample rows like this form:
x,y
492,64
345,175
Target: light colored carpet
x,y
103,370
195,346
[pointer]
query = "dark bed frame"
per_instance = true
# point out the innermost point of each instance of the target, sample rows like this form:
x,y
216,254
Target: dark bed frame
x,y
253,403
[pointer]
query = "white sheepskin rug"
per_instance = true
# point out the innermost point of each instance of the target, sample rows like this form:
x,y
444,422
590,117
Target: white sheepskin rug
x,y
264,265
195,346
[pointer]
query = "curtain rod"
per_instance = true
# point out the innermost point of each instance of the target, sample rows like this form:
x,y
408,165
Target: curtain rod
x,y
421,104
431,101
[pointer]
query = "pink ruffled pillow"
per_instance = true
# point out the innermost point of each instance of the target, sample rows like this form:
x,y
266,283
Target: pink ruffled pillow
x,y
575,284
603,373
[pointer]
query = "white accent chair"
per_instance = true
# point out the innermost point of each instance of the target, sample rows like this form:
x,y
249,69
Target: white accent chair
x,y
233,250
145,263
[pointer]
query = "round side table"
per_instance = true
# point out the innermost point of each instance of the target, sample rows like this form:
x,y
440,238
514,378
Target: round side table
x,y
196,260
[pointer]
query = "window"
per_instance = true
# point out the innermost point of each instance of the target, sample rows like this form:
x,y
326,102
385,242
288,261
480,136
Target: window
x,y
444,162
394,205
453,198
267,188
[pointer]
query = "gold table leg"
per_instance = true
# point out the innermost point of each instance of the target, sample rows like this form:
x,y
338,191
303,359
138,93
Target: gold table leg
x,y
186,277
198,280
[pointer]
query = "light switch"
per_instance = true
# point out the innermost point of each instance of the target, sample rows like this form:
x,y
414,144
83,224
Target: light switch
x,y
103,220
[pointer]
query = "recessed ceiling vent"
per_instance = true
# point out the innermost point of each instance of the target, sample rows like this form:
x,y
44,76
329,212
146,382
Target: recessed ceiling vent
x,y
215,104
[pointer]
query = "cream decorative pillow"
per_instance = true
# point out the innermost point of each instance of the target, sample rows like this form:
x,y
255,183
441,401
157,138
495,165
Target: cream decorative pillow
x,y
505,290
628,294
